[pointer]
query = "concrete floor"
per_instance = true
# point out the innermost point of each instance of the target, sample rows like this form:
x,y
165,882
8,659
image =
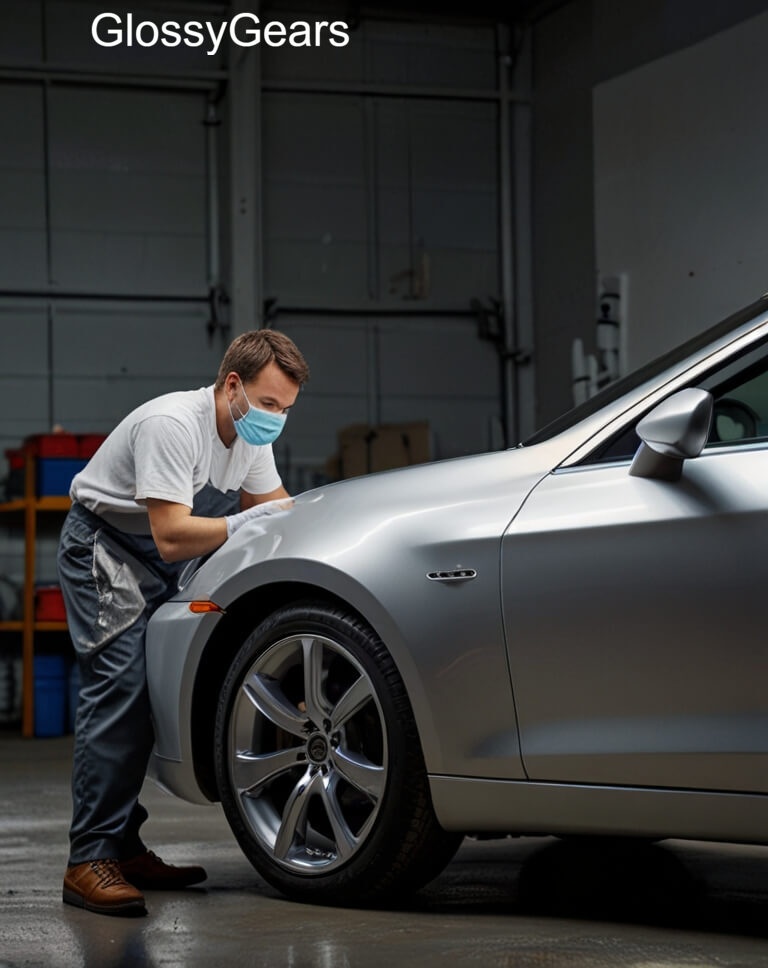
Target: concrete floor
x,y
514,903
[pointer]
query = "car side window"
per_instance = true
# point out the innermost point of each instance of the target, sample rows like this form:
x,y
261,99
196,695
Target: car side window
x,y
740,391
741,403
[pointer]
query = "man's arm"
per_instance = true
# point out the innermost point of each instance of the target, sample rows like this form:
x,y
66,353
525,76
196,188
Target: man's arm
x,y
248,500
179,534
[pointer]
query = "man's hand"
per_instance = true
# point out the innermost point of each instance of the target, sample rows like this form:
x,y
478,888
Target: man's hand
x,y
236,521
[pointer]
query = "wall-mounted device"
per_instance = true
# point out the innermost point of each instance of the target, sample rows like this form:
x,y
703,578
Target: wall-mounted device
x,y
591,373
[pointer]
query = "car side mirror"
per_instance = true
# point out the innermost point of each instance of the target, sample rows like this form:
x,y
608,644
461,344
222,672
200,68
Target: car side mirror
x,y
675,430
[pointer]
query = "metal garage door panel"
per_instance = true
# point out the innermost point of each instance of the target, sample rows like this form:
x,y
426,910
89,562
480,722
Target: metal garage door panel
x,y
312,209
303,272
315,222
135,342
127,190
435,357
438,199
153,264
336,350
437,55
22,188
390,52
17,421
21,35
338,392
23,373
456,388
99,403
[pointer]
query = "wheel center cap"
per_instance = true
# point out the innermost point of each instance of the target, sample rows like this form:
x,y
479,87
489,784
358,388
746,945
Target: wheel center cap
x,y
317,748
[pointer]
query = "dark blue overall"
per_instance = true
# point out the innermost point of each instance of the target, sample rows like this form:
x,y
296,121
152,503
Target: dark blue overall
x,y
112,582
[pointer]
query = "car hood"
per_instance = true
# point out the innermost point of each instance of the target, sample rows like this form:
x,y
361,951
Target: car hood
x,y
344,525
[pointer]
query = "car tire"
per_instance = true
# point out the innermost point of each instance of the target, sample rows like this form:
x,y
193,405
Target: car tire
x,y
318,762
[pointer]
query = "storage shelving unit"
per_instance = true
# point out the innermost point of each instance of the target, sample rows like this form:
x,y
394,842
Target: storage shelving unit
x,y
30,506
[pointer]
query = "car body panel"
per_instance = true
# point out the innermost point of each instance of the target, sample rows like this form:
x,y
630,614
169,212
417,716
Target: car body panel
x,y
500,806
625,677
176,638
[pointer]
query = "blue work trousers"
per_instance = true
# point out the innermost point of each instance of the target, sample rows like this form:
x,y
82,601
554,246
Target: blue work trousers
x,y
112,582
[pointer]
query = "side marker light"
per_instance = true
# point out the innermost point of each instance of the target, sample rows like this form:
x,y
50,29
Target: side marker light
x,y
200,607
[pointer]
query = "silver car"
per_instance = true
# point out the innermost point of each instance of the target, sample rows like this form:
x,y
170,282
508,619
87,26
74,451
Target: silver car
x,y
562,638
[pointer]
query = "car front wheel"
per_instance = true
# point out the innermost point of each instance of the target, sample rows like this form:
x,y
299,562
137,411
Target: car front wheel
x,y
319,765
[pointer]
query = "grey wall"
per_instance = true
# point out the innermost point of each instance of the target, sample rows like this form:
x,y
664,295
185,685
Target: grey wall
x,y
681,190
577,46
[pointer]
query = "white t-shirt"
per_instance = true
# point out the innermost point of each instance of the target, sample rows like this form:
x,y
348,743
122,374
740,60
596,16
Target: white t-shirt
x,y
169,448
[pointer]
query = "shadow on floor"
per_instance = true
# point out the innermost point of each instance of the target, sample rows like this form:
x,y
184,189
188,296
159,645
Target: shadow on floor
x,y
609,880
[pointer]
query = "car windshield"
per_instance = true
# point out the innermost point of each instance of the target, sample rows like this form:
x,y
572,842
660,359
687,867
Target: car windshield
x,y
627,383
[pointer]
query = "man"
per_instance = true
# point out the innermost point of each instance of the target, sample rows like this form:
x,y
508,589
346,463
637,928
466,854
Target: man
x,y
155,494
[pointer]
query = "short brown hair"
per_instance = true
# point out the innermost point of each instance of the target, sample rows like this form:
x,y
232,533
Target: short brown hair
x,y
251,352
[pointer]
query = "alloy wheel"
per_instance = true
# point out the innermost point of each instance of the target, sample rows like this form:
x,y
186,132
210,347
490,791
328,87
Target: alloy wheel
x,y
307,754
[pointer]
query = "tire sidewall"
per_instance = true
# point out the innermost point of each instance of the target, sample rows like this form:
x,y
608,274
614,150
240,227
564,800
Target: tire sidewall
x,y
370,861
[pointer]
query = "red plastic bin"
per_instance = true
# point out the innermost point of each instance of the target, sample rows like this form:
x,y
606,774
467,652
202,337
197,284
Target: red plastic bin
x,y
15,458
52,445
49,604
88,444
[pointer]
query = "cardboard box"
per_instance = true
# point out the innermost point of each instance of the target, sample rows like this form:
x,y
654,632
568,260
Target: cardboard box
x,y
332,468
400,445
364,449
354,458
352,433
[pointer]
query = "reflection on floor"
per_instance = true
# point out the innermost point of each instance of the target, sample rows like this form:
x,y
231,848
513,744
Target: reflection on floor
x,y
574,903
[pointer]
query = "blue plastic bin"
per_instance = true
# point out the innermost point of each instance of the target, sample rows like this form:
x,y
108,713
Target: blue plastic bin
x,y
50,695
54,474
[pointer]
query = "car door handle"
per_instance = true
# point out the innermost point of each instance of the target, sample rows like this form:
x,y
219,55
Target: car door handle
x,y
459,574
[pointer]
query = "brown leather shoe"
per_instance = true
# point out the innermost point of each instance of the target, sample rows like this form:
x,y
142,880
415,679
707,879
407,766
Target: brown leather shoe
x,y
147,870
98,885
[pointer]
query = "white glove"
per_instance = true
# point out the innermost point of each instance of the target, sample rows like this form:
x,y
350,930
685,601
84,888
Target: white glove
x,y
235,521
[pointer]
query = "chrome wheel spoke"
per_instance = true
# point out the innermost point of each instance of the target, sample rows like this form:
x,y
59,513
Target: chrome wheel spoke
x,y
345,839
267,696
313,680
308,773
353,700
360,772
252,770
294,817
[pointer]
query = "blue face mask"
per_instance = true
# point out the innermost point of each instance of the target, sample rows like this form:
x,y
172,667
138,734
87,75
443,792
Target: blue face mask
x,y
257,427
